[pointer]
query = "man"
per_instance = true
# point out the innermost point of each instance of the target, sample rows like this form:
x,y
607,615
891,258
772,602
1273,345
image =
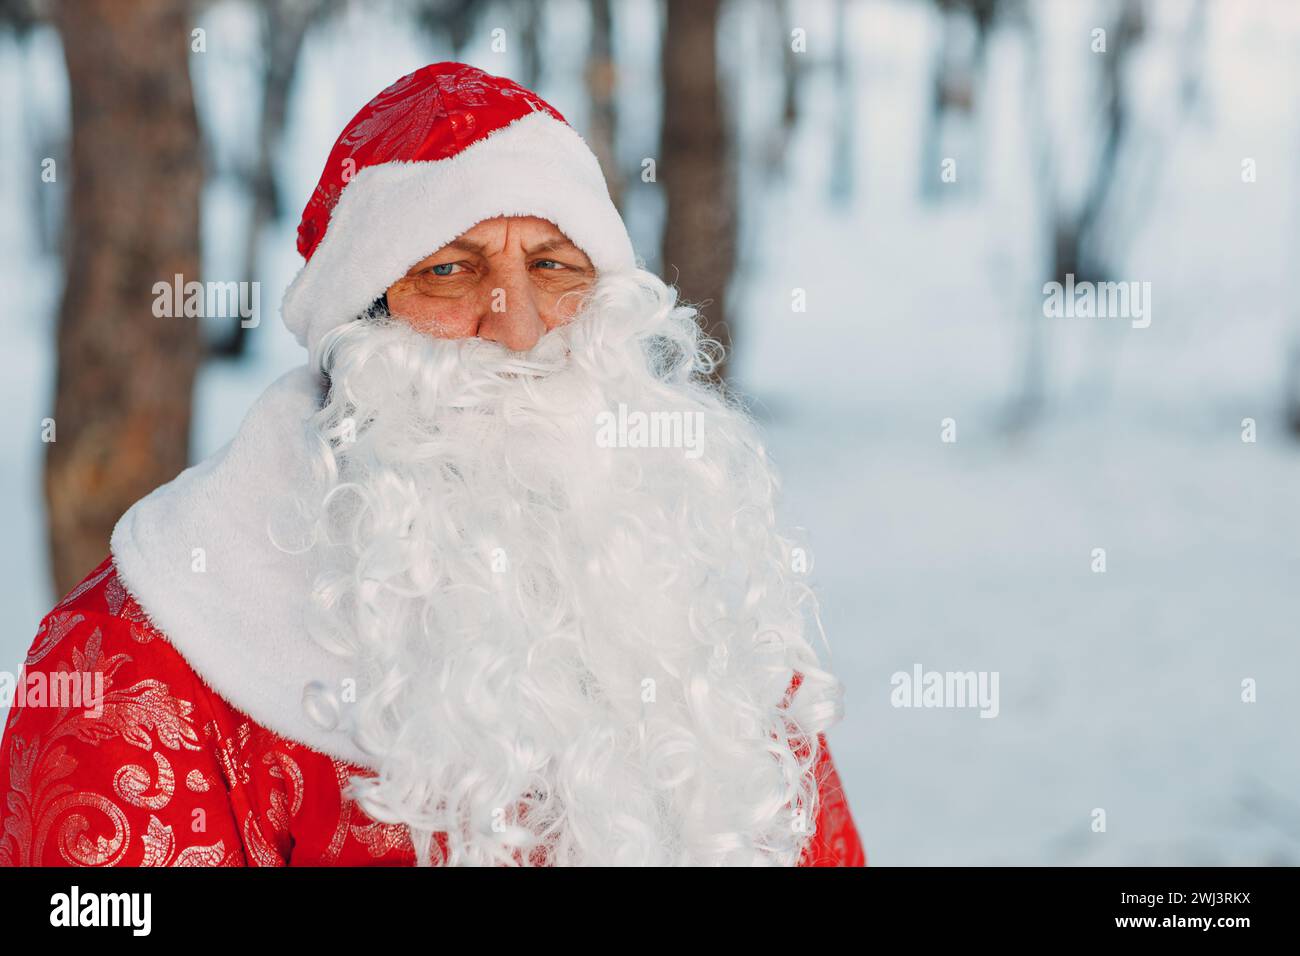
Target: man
x,y
492,579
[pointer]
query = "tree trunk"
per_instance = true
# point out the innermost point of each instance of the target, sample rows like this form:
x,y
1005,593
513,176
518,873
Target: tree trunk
x,y
284,28
124,378
699,241
530,44
602,74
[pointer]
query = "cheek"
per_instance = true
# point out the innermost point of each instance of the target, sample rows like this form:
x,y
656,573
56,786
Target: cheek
x,y
558,307
441,318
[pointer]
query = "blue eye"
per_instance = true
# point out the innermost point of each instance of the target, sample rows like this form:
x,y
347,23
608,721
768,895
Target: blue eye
x,y
549,264
443,269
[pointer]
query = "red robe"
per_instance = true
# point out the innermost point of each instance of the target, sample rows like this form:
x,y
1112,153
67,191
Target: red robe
x,y
171,775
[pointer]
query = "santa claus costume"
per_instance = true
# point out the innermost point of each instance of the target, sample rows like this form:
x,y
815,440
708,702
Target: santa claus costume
x,y
413,613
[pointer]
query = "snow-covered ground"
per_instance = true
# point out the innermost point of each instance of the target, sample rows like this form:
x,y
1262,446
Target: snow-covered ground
x,y
1119,691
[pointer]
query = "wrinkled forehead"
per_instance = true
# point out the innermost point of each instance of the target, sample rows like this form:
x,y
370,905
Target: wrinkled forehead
x,y
532,235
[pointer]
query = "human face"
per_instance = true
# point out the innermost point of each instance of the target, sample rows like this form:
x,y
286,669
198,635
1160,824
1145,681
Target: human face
x,y
509,280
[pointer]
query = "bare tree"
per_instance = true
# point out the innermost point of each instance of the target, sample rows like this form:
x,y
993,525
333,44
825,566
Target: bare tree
x,y
1083,242
452,20
124,377
957,75
602,76
284,27
530,45
843,129
699,239
19,19
773,153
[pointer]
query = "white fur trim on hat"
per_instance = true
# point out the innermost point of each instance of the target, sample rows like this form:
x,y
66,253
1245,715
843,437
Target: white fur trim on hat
x,y
391,216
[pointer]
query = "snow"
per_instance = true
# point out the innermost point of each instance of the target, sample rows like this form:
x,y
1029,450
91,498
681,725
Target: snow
x,y
1119,690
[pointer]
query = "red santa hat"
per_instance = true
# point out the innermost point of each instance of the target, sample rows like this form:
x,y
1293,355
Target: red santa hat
x,y
440,150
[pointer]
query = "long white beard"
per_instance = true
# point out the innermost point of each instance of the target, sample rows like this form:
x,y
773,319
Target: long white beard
x,y
564,653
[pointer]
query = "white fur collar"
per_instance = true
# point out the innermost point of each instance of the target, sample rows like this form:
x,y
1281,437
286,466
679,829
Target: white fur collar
x,y
239,622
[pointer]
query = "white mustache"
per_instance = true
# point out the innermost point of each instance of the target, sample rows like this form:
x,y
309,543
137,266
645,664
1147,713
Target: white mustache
x,y
549,355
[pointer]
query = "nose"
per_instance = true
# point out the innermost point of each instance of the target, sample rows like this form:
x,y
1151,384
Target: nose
x,y
512,318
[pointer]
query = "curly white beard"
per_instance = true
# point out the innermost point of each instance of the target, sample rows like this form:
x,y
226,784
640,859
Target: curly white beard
x,y
564,653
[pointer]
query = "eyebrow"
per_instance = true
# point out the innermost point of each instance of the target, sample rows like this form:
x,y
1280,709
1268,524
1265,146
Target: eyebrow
x,y
480,248
466,245
550,245
462,244
562,242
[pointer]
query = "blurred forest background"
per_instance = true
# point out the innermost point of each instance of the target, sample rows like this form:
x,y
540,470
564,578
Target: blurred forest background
x,y
868,196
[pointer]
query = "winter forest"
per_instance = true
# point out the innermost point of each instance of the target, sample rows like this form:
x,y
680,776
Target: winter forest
x,y
1006,283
